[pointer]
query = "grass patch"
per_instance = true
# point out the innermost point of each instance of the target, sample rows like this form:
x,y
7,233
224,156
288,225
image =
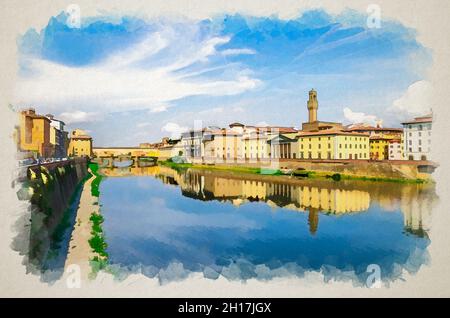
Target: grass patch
x,y
97,264
383,179
95,185
183,166
175,166
97,241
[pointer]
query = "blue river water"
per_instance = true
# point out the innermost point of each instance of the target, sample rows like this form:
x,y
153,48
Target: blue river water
x,y
168,224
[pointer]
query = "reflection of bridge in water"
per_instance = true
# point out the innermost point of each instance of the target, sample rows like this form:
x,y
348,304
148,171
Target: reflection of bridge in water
x,y
311,196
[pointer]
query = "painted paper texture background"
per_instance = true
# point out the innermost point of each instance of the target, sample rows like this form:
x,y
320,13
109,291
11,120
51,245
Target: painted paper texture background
x,y
213,149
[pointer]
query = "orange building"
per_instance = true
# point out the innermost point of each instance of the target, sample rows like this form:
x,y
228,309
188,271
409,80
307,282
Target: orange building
x,y
34,134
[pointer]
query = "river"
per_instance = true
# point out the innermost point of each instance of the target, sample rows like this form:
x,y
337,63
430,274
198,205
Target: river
x,y
167,223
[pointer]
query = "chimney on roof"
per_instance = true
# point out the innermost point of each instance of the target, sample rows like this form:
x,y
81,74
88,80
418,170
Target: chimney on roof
x,y
30,111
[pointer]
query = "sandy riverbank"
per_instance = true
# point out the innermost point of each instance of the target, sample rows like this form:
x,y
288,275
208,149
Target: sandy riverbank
x,y
80,251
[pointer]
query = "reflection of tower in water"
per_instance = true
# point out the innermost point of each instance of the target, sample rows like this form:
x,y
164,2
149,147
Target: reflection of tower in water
x,y
313,220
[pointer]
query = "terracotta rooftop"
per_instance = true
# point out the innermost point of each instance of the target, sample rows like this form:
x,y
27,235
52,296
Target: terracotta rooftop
x,y
223,132
420,120
81,137
32,114
329,132
372,128
282,130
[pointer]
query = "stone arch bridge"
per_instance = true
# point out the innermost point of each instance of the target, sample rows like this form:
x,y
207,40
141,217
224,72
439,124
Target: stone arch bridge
x,y
106,156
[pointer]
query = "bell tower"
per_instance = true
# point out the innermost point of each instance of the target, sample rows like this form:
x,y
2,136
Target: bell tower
x,y
313,105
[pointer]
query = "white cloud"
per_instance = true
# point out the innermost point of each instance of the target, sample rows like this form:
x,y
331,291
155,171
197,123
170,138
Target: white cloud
x,y
79,117
159,109
238,52
415,101
135,78
142,125
359,117
174,129
238,109
262,124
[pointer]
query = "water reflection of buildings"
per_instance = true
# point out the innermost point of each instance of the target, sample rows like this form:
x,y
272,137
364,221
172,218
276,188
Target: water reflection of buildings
x,y
311,196
302,198
417,212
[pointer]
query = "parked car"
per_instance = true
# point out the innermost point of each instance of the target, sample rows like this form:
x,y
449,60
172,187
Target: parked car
x,y
27,162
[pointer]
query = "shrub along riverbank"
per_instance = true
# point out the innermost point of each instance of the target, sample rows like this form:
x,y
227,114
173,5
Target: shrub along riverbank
x,y
97,241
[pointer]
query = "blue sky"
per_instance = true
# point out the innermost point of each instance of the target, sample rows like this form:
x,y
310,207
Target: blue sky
x,y
128,80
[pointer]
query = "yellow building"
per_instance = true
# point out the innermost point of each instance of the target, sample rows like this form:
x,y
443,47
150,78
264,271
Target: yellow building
x,y
333,144
171,149
80,144
222,145
255,147
34,134
379,147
